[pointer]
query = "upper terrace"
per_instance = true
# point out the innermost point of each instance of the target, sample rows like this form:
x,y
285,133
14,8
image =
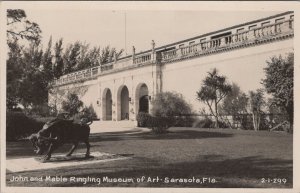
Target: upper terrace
x,y
261,31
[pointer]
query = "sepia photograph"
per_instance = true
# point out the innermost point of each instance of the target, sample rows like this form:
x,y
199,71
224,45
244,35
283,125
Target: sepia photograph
x,y
146,95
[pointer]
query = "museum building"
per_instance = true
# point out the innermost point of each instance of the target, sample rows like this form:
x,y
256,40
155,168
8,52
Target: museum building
x,y
120,89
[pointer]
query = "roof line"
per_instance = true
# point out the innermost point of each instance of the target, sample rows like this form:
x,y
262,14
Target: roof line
x,y
210,33
225,29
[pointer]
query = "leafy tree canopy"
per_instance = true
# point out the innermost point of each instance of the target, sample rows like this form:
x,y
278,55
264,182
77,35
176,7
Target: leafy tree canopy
x,y
235,102
279,82
72,104
19,27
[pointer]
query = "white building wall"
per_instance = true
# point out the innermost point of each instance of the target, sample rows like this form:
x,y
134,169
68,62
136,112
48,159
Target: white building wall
x,y
131,78
242,66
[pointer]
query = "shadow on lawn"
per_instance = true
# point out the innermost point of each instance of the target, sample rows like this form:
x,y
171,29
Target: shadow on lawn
x,y
24,148
245,172
182,134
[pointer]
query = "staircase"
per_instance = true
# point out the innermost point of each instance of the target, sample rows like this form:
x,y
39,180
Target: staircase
x,y
112,126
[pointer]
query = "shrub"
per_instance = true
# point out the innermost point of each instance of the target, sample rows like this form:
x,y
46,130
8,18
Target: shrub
x,y
170,104
18,125
87,113
204,123
159,125
72,105
172,107
223,125
183,121
208,123
142,119
40,111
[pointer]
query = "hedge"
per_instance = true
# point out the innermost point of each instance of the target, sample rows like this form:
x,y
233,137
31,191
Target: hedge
x,y
18,126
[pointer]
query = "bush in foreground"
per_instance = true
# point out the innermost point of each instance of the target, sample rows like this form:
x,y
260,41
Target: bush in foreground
x,y
158,125
142,119
170,104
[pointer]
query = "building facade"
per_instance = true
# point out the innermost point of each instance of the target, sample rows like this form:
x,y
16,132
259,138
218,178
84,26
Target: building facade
x,y
120,89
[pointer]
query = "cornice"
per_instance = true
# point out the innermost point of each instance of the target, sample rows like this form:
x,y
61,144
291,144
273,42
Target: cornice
x,y
229,48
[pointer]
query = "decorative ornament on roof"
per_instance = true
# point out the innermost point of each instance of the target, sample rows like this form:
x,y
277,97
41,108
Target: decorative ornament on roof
x,y
153,45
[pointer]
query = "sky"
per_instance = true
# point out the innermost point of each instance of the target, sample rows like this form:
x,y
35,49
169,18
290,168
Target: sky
x,y
107,27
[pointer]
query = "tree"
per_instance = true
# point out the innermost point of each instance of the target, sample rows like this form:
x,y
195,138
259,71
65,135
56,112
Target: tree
x,y
79,56
170,104
47,65
58,64
72,105
214,89
256,103
279,82
107,54
14,73
19,27
36,72
235,102
33,85
71,57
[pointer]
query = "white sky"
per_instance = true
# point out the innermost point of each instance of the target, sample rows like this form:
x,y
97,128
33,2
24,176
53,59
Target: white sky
x,y
107,27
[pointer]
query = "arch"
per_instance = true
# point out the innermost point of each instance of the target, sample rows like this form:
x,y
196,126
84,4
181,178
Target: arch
x,y
142,98
107,105
123,103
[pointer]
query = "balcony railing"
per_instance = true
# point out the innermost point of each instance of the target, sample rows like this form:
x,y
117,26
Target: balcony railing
x,y
141,59
250,36
95,71
261,33
77,76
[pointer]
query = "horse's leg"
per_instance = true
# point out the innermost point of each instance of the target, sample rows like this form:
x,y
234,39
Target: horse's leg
x,y
87,154
75,144
52,147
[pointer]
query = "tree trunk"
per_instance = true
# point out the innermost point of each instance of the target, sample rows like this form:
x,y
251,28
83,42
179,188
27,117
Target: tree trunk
x,y
258,121
254,121
216,111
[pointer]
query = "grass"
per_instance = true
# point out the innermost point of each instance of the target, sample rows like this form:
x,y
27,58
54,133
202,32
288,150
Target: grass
x,y
236,159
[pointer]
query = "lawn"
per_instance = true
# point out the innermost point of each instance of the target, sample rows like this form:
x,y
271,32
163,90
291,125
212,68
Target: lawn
x,y
232,158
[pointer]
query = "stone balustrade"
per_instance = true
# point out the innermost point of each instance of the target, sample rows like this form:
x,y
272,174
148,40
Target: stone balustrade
x,y
79,75
256,34
141,59
123,63
242,38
